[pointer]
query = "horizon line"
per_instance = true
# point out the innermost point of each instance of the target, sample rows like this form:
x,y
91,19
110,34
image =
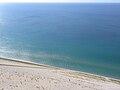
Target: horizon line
x,y
54,2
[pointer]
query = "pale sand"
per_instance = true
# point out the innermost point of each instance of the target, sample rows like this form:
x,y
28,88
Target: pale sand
x,y
22,75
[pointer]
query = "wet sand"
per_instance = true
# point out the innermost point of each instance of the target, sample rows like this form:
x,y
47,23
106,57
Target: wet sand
x,y
24,75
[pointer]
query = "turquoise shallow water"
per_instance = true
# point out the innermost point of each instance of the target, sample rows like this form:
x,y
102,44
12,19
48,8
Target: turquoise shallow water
x,y
84,37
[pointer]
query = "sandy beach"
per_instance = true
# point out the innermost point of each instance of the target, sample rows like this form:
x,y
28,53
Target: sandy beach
x,y
24,75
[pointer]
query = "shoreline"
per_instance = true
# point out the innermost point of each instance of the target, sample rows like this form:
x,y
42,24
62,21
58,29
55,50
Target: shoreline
x,y
54,67
17,74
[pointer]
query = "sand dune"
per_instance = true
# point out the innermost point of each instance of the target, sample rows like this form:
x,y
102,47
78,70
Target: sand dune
x,y
20,75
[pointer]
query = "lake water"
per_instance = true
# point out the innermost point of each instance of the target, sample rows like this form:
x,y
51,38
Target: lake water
x,y
78,36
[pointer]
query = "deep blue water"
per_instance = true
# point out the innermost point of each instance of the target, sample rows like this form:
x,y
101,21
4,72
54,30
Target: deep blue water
x,y
84,37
